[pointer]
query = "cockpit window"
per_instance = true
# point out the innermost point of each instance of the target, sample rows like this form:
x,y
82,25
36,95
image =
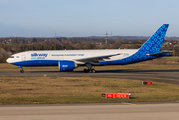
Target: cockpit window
x,y
12,57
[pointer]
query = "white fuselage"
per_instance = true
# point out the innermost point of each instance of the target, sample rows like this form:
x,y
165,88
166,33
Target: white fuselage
x,y
72,55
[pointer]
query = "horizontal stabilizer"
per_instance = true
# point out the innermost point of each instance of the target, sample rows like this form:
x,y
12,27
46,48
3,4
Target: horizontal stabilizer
x,y
159,53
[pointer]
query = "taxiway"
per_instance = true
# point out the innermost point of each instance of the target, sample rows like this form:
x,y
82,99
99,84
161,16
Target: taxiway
x,y
170,76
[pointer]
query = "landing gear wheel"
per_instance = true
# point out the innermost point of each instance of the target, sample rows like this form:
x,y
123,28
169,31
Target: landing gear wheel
x,y
93,71
22,71
86,70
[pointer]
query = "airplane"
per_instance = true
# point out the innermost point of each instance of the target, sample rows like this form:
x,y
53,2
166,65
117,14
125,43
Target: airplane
x,y
68,60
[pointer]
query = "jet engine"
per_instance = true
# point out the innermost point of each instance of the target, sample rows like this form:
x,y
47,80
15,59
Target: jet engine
x,y
65,65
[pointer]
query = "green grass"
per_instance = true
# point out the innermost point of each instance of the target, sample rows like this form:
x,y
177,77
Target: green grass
x,y
32,90
174,58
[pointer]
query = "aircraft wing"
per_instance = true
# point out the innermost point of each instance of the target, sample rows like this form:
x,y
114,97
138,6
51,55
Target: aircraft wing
x,y
95,59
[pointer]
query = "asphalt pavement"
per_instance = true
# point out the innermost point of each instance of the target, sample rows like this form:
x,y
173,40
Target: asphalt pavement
x,y
170,76
121,111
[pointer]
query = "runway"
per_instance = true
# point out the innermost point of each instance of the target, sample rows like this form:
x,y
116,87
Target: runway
x,y
167,76
103,111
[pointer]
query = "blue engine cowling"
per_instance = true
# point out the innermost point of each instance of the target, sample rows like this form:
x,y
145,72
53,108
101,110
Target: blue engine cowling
x,y
65,65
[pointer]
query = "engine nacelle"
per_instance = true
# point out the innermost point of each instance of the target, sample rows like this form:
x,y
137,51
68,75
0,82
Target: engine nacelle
x,y
65,65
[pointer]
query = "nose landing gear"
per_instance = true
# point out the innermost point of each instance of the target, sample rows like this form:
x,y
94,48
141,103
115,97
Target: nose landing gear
x,y
22,71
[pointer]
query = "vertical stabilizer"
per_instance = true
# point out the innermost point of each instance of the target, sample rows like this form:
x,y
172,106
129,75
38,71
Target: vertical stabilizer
x,y
151,46
154,43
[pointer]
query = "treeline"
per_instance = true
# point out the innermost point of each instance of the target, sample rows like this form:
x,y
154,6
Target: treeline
x,y
17,47
62,40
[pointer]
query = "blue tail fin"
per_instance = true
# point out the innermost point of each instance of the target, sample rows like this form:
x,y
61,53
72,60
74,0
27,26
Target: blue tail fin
x,y
153,44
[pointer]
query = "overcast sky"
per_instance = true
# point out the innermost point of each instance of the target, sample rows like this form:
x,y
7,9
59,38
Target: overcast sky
x,y
82,18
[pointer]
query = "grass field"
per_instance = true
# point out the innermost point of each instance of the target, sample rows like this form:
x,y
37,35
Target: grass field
x,y
30,90
175,58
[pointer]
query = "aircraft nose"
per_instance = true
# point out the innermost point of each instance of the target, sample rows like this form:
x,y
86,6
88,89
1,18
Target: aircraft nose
x,y
8,60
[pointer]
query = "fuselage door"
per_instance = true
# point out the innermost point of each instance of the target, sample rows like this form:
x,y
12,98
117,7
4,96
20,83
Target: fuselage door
x,y
23,57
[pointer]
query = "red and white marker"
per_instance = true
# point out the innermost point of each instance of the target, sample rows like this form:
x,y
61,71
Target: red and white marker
x,y
147,83
116,95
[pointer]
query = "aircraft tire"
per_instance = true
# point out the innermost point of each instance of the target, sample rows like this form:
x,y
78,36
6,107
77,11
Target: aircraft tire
x,y
22,71
93,70
86,70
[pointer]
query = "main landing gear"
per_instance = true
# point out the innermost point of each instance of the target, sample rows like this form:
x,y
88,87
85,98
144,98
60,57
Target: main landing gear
x,y
90,69
87,70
